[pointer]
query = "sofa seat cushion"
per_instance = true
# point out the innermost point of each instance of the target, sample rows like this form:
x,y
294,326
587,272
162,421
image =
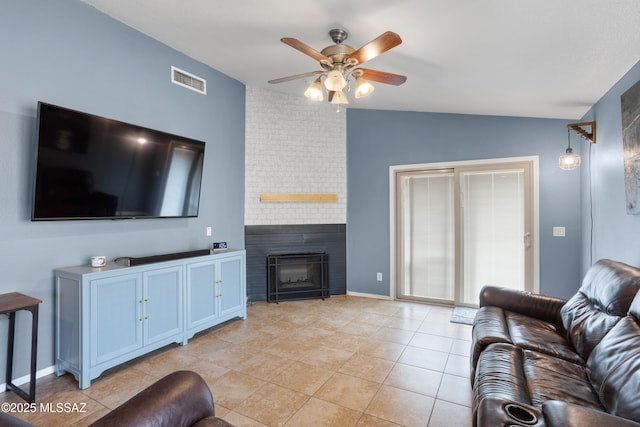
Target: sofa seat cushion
x,y
550,378
538,335
508,372
495,325
562,414
604,298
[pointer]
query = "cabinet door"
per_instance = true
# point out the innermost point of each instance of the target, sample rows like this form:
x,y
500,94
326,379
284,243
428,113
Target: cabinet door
x,y
162,303
230,289
201,293
116,328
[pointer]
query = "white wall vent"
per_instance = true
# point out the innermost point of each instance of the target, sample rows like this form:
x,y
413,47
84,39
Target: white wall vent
x,y
188,80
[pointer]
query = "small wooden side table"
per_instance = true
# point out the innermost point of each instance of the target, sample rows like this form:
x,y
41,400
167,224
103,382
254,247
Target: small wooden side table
x,y
9,304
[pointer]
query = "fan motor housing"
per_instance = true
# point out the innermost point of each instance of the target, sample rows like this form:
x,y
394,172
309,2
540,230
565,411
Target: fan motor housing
x,y
338,53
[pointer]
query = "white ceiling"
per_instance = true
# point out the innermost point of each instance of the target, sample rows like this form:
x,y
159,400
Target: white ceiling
x,y
531,58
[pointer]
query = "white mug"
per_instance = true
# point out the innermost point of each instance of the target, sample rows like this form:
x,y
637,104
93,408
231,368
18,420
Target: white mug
x,y
98,261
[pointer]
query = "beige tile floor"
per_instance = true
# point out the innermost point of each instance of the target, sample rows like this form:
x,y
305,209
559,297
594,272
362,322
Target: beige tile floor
x,y
345,361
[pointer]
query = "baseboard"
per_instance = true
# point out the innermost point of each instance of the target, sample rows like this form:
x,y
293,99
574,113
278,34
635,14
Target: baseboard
x,y
363,295
25,379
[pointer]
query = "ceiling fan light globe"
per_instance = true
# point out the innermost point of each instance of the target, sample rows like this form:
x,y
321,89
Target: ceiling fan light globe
x,y
335,81
314,91
363,88
339,98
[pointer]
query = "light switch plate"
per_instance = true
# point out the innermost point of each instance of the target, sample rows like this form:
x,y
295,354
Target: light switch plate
x,y
559,232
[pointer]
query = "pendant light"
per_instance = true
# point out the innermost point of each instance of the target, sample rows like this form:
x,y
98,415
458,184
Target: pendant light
x,y
569,160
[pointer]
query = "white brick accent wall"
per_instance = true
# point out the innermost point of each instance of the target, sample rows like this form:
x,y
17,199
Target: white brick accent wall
x,y
293,145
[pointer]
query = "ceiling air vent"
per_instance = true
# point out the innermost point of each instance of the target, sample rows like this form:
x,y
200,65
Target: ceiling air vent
x,y
188,80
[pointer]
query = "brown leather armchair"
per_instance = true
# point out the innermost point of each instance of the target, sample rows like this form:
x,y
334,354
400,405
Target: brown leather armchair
x,y
180,399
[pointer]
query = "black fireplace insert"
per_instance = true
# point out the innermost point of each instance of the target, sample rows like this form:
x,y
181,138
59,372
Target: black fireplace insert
x,y
297,276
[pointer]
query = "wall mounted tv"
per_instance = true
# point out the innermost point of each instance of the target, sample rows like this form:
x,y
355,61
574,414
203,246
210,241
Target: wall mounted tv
x,y
91,167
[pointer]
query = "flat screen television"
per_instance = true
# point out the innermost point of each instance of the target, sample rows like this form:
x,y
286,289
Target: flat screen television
x,y
91,167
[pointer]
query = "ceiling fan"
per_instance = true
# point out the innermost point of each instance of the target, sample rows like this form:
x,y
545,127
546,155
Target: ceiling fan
x,y
339,62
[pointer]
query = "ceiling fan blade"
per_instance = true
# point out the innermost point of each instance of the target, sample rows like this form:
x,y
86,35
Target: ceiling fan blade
x,y
380,76
375,47
306,49
296,77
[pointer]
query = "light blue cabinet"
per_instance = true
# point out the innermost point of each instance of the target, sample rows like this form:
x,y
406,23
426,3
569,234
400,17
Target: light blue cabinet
x,y
230,296
162,304
115,328
107,316
213,294
202,307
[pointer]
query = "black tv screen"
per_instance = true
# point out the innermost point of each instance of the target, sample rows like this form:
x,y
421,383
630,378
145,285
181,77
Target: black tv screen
x,y
91,167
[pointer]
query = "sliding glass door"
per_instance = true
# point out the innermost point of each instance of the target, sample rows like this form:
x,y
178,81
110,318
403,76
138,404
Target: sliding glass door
x,y
462,228
427,268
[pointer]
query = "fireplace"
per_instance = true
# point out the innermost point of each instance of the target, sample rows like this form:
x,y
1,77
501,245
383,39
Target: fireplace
x,y
297,276
264,240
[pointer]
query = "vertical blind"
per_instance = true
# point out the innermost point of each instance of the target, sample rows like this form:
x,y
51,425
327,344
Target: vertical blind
x,y
493,230
429,233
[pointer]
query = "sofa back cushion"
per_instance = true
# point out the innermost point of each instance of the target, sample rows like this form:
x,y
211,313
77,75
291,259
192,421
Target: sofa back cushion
x,y
603,299
614,366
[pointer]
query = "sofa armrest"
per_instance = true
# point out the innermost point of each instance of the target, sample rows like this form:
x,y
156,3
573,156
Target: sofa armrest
x,y
562,414
179,399
534,305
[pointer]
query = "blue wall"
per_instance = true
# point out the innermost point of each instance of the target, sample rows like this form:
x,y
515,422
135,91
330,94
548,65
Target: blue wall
x,y
379,139
616,235
67,53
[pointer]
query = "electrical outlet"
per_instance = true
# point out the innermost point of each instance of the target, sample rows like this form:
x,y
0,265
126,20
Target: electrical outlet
x,y
208,231
379,276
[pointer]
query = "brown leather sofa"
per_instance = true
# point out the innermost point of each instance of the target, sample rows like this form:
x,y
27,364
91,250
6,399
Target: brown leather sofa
x,y
180,399
543,361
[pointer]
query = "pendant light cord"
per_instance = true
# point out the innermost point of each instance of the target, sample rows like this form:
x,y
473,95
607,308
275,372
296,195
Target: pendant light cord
x,y
590,209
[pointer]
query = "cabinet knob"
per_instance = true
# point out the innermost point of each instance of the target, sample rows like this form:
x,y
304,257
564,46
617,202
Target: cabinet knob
x,y
218,281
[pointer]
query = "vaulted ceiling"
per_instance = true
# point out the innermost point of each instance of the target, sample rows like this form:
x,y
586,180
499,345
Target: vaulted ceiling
x,y
530,58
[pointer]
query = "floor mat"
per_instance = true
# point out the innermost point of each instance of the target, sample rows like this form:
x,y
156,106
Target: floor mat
x,y
463,315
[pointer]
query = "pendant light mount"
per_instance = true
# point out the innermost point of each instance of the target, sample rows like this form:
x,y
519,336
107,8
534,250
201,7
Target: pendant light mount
x,y
589,135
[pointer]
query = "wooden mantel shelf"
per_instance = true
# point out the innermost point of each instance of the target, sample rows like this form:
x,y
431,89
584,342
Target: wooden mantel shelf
x,y
323,198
